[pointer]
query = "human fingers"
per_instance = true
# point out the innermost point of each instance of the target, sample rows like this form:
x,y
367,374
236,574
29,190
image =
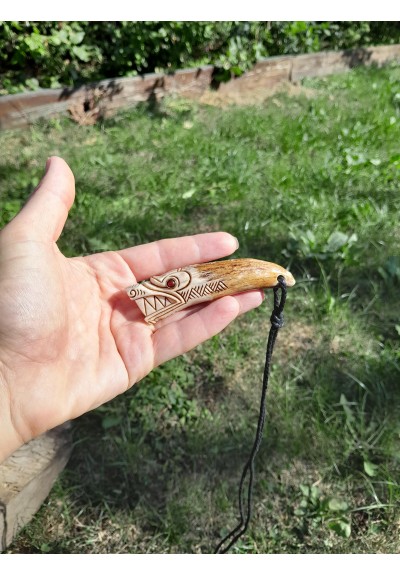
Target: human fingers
x,y
44,214
164,255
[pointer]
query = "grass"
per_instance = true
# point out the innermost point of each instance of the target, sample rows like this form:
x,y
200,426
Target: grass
x,y
311,182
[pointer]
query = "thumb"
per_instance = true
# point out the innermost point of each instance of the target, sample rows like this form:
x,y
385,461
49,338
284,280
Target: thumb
x,y
44,214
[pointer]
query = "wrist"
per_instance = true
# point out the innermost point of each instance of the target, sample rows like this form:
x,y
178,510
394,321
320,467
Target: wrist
x,y
10,440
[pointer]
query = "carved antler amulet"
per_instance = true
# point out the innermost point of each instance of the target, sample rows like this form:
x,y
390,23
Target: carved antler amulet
x,y
161,296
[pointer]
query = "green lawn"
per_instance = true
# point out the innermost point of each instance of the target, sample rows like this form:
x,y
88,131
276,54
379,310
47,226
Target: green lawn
x,y
311,182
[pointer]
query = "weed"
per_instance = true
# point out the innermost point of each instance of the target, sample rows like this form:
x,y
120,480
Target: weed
x,y
313,184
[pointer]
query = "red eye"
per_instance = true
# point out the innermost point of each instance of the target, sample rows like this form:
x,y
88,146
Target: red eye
x,y
171,283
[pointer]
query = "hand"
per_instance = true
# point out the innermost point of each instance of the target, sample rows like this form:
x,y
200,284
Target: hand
x,y
70,338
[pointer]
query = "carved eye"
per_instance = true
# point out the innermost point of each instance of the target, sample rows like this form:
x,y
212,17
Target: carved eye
x,y
179,279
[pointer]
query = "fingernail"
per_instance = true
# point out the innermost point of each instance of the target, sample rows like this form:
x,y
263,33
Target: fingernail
x,y
237,242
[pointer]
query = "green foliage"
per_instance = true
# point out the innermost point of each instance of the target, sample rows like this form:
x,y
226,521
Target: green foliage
x,y
390,271
45,54
166,398
337,246
156,470
53,54
315,509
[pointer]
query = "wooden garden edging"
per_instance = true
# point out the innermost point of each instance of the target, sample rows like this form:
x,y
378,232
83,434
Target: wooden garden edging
x,y
104,98
27,477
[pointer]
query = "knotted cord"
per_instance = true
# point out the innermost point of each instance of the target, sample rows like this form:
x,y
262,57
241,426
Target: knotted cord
x,y
248,471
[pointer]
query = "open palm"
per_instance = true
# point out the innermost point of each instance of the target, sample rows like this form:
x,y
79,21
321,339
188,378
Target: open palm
x,y
70,338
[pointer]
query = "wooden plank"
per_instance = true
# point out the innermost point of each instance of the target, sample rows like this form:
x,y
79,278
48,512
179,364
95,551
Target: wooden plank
x,y
382,54
20,110
266,74
325,63
27,477
189,83
318,64
105,97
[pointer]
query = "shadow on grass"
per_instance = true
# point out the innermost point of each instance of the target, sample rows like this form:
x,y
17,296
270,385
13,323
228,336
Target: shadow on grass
x,y
121,469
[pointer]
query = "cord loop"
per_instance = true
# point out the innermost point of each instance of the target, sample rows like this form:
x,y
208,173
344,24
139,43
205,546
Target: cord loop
x,y
248,471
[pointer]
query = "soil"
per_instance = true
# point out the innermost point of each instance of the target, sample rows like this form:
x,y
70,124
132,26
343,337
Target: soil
x,y
251,95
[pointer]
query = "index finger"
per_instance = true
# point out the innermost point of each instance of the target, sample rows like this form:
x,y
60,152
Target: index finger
x,y
164,255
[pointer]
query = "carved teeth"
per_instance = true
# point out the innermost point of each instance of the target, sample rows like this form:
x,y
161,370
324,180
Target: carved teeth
x,y
160,302
203,282
150,301
150,304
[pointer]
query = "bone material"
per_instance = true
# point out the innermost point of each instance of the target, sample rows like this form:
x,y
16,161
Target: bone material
x,y
163,295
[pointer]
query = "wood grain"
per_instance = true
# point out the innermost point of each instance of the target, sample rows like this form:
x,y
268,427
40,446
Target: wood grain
x,y
104,98
27,477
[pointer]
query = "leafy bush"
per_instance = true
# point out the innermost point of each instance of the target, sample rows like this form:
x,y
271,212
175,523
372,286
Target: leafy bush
x,y
54,54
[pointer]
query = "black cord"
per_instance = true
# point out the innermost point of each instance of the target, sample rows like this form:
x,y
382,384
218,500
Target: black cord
x,y
276,324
